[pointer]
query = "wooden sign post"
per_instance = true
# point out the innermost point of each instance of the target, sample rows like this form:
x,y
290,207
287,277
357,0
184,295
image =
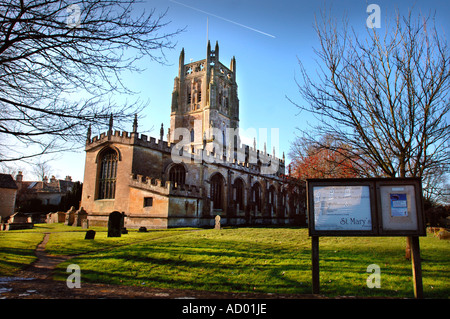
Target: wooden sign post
x,y
315,264
366,207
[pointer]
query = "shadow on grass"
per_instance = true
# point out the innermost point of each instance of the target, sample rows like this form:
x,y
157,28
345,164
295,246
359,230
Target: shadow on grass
x,y
225,262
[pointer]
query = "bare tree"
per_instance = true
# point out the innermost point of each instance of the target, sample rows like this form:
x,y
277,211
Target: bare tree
x,y
42,169
60,62
386,96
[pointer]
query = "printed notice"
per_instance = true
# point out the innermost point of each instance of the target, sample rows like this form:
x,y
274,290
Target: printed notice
x,y
342,208
399,205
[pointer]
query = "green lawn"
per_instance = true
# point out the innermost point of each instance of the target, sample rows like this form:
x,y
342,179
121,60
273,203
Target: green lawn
x,y
17,250
273,260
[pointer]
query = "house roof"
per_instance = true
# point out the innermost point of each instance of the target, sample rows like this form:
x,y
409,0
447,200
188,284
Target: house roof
x,y
7,181
54,186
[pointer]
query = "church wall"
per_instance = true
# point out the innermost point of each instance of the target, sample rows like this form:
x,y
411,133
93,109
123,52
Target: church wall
x,y
185,212
152,216
99,209
147,162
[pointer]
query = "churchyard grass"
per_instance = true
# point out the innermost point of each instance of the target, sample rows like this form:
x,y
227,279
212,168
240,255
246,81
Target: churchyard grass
x,y
269,260
17,250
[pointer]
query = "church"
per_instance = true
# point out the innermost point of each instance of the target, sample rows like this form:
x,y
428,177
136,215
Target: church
x,y
197,170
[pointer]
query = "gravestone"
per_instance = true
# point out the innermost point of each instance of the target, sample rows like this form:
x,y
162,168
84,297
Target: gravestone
x,y
59,217
85,224
18,218
79,216
90,234
115,222
217,225
18,221
48,218
70,216
142,229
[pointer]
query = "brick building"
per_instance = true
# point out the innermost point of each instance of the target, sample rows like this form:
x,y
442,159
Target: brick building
x,y
200,171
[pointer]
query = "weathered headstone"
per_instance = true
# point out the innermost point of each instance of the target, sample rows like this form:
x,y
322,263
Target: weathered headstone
x,y
79,216
142,229
85,224
124,230
217,225
18,221
18,218
70,216
115,224
90,234
60,217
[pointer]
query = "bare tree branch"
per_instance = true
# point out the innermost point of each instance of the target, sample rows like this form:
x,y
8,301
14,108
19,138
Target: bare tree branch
x,y
61,61
386,96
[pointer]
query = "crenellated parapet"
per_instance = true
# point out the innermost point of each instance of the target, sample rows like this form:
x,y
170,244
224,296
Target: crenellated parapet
x,y
164,188
123,137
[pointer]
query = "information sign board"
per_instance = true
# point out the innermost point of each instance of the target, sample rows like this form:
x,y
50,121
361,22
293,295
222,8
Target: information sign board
x,y
365,207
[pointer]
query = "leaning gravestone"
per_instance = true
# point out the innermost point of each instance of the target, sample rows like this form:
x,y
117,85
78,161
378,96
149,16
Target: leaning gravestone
x,y
90,234
115,224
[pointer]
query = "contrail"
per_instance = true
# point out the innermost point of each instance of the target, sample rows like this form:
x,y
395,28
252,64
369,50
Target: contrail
x,y
218,17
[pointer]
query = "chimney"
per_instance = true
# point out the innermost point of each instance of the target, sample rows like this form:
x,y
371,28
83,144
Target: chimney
x,y
19,177
68,178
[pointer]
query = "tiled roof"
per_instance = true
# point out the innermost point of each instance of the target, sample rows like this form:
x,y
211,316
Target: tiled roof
x,y
7,181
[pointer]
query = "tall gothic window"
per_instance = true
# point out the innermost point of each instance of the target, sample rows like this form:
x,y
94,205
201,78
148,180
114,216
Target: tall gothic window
x,y
217,191
108,173
177,174
239,189
256,195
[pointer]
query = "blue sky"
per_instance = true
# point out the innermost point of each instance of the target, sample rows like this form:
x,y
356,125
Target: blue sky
x,y
266,65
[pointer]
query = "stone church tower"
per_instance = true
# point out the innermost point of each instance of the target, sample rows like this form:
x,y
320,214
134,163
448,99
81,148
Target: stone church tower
x,y
141,176
204,96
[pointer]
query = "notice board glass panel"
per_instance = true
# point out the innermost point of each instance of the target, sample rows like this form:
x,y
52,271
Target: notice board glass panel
x,y
398,207
342,208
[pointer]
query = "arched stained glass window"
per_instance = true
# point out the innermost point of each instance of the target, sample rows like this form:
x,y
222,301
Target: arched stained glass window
x,y
108,173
